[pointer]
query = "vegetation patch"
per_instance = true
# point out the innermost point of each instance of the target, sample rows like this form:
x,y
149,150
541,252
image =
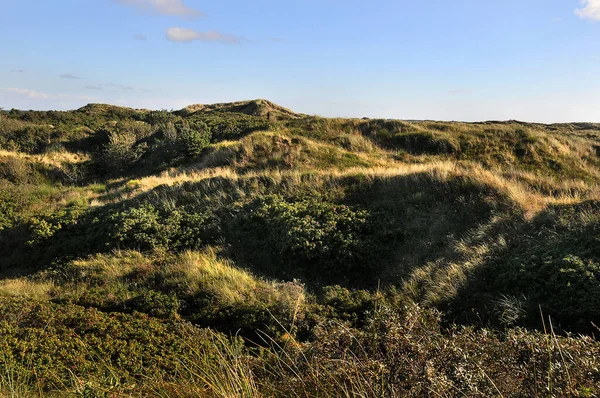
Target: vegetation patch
x,y
245,250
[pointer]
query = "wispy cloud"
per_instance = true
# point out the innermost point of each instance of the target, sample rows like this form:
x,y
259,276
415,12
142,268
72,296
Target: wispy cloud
x,y
111,86
164,7
69,76
459,91
18,71
140,37
590,10
25,92
183,35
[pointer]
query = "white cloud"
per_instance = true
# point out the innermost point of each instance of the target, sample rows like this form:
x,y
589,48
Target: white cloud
x,y
69,76
182,35
459,91
140,36
164,7
114,87
25,92
591,10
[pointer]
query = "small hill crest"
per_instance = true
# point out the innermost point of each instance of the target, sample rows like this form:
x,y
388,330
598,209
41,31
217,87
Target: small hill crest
x,y
258,107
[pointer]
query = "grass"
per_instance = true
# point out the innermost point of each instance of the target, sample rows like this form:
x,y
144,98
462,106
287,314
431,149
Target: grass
x,y
36,290
414,261
419,360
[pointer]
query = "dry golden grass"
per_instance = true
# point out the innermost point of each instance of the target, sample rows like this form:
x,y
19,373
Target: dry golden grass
x,y
514,184
56,159
193,272
111,267
205,271
23,287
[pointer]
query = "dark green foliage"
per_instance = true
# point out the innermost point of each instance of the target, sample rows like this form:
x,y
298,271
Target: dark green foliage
x,y
8,209
30,139
349,305
141,227
424,143
45,227
243,319
350,223
148,227
156,304
55,342
321,239
193,137
121,152
160,118
553,262
228,126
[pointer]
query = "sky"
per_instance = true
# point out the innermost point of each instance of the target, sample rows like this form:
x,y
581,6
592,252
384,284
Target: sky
x,y
469,60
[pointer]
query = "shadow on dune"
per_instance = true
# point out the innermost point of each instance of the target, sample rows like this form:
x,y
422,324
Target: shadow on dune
x,y
550,264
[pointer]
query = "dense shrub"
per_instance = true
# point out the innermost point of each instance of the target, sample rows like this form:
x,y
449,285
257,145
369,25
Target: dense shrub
x,y
8,210
121,151
228,126
156,304
306,236
193,137
45,227
552,263
59,343
173,143
160,118
149,227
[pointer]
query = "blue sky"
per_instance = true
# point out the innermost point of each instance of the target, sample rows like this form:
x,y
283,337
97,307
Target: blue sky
x,y
534,60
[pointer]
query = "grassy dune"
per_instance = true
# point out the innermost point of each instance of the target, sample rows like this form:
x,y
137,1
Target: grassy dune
x,y
245,250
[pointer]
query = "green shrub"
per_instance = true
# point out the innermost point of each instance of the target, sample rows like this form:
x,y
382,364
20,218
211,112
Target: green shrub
x,y
45,227
60,345
552,264
175,142
8,209
320,238
30,139
228,126
156,304
193,137
149,227
160,118
121,151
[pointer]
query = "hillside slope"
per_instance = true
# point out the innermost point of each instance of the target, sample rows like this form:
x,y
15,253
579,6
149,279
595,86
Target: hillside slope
x,y
308,255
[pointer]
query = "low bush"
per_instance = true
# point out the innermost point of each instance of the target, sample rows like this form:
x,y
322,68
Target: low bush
x,y
193,137
552,264
43,228
310,237
65,347
121,151
229,126
156,304
150,227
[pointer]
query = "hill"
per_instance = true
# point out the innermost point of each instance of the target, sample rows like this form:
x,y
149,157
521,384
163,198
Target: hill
x,y
243,249
259,107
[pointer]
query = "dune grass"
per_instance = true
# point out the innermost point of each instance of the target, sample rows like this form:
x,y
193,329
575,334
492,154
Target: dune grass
x,y
245,250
